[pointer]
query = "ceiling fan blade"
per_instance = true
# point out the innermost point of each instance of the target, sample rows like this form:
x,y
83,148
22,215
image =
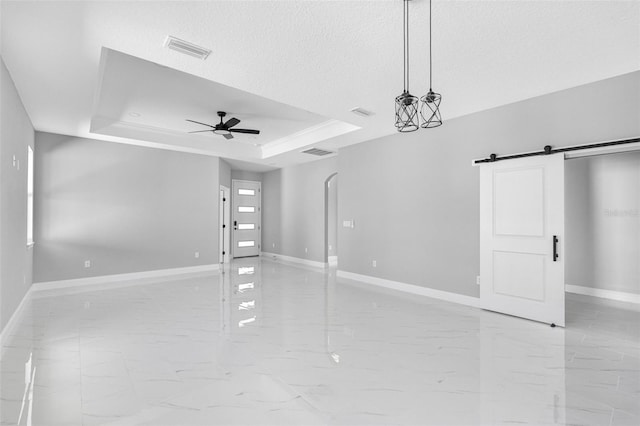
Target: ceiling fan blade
x,y
231,122
200,131
249,131
228,136
204,124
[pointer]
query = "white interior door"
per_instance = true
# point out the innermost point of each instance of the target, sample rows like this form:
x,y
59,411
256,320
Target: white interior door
x,y
246,200
522,237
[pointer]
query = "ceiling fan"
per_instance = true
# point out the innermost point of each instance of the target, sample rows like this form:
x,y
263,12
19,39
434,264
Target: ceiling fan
x,y
225,129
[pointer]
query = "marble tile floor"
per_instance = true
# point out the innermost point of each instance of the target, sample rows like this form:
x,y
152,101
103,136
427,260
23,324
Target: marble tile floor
x,y
273,343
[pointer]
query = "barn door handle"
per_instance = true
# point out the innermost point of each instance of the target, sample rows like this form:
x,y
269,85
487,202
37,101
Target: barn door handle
x,y
555,248
235,225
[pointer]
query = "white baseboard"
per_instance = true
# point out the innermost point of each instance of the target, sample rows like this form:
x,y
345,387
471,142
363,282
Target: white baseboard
x,y
413,289
92,283
13,321
133,276
605,294
294,259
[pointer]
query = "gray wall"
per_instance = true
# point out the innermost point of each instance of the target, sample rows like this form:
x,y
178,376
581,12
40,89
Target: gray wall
x,y
414,197
16,134
225,174
604,225
124,208
293,209
272,212
615,221
246,175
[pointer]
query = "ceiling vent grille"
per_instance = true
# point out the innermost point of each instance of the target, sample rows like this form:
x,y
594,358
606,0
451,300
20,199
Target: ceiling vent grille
x,y
316,151
361,112
187,48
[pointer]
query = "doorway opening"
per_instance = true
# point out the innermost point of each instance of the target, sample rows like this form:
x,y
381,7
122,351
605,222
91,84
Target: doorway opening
x,y
603,226
331,220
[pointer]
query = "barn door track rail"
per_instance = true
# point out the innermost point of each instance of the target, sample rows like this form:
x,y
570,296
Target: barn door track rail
x,y
548,149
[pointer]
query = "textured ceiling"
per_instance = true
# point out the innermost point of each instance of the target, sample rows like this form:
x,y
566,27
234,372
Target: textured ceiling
x,y
324,57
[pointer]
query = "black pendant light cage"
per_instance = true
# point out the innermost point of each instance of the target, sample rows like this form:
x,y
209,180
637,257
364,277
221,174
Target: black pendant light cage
x,y
407,117
407,112
430,109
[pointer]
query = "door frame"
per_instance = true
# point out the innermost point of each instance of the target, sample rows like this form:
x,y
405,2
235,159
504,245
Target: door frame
x,y
224,227
331,260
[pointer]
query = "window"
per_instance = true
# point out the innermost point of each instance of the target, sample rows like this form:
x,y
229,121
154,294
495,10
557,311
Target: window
x,y
246,209
245,226
246,192
246,243
29,196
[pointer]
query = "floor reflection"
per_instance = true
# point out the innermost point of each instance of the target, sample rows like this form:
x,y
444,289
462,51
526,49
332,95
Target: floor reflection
x,y
240,294
271,343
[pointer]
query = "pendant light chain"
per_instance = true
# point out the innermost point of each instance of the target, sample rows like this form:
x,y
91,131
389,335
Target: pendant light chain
x,y
404,45
430,60
430,109
406,18
407,105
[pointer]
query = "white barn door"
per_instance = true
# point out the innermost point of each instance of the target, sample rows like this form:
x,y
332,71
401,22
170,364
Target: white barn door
x,y
522,237
246,217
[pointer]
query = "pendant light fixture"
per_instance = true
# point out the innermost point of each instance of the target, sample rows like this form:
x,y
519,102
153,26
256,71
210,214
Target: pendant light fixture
x,y
406,104
430,109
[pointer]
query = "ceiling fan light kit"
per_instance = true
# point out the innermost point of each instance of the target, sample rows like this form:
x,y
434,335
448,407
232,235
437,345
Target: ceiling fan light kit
x,y
407,117
225,129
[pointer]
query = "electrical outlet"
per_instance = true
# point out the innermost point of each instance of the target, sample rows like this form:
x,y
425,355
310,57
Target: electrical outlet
x,y
374,263
330,248
87,264
273,245
196,254
478,279
306,250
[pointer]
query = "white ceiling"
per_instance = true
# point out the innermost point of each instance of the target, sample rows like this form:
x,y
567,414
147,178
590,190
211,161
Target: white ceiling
x,y
143,101
295,69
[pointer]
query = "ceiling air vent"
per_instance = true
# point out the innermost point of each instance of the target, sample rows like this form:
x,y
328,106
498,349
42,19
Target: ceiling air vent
x,y
186,48
361,112
316,151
